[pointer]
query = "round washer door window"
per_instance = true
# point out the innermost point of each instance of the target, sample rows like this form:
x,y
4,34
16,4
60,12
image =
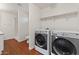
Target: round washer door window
x,y
40,40
63,46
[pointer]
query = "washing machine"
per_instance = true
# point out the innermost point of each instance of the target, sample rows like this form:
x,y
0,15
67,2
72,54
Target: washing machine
x,y
65,43
42,39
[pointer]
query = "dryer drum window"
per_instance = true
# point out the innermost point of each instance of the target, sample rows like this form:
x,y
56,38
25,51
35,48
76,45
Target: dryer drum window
x,y
40,40
63,47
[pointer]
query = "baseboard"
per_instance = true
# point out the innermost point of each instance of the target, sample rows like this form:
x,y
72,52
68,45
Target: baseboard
x,y
20,40
30,48
27,41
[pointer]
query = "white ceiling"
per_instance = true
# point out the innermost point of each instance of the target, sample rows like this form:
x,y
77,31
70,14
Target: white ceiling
x,y
14,6
45,5
9,7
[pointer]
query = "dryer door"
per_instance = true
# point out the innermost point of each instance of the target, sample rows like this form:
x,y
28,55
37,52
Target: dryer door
x,y
41,41
63,47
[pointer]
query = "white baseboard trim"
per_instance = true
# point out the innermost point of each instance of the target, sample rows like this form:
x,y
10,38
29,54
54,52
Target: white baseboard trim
x,y
27,41
30,48
18,39
21,40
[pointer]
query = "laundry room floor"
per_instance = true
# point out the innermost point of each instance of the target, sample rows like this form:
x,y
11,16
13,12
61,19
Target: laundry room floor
x,y
13,47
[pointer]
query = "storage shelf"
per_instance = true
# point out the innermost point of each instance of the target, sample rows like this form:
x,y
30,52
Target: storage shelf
x,y
59,15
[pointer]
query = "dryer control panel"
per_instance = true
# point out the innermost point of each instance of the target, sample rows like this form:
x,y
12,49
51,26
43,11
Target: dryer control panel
x,y
72,35
66,34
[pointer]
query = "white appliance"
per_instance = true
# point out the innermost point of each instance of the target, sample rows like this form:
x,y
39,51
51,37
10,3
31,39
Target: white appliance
x,y
65,43
42,39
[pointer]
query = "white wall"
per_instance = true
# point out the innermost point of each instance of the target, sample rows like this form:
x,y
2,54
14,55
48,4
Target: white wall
x,y
7,24
68,22
47,23
1,43
11,7
34,23
60,8
8,19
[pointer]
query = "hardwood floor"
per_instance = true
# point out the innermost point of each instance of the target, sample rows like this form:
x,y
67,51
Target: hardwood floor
x,y
13,47
34,52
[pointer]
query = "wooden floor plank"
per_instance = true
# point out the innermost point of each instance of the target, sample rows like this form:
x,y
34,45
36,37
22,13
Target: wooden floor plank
x,y
13,47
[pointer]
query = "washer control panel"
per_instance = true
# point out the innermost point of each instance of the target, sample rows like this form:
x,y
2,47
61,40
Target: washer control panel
x,y
43,32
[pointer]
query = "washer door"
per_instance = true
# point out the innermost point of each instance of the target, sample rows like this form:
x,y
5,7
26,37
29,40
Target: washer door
x,y
63,46
41,41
